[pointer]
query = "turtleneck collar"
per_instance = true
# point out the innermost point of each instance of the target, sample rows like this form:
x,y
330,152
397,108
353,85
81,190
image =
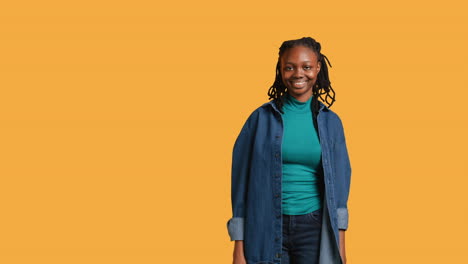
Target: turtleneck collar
x,y
293,105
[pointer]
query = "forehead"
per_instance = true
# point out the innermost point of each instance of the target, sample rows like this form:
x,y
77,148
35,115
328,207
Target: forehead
x,y
298,54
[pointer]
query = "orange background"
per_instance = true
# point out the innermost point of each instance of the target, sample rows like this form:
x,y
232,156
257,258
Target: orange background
x,y
117,122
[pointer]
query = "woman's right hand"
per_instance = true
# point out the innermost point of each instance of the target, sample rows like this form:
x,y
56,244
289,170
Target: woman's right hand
x,y
238,256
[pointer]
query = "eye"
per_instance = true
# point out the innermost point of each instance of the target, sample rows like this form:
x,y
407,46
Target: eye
x,y
307,67
288,68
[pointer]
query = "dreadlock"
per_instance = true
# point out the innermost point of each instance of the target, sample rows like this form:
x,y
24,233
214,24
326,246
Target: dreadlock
x,y
322,86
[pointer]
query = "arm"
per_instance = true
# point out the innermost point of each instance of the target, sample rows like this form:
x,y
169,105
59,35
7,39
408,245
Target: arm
x,y
342,246
343,180
238,256
241,156
343,176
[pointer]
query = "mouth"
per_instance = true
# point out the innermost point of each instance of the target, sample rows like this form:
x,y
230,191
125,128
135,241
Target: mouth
x,y
298,84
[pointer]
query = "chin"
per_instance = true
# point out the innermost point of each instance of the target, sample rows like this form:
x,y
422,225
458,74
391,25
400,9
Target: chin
x,y
300,91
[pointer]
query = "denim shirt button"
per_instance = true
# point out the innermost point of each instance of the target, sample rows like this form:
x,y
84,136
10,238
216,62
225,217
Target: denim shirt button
x,y
278,255
277,239
277,195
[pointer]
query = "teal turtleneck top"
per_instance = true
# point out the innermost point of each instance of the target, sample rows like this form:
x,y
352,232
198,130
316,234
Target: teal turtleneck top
x,y
301,153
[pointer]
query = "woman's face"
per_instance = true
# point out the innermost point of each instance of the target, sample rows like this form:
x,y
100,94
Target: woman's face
x,y
299,70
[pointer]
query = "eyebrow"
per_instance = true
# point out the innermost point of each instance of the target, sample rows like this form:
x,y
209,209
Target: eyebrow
x,y
293,63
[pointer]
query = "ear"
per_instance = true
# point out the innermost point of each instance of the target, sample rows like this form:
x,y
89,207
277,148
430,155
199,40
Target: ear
x,y
319,65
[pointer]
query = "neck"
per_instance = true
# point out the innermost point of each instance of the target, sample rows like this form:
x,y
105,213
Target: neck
x,y
302,97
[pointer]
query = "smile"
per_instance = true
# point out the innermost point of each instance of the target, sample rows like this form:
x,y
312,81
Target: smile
x,y
299,84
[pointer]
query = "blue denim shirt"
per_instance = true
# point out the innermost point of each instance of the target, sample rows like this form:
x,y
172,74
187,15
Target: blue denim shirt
x,y
256,185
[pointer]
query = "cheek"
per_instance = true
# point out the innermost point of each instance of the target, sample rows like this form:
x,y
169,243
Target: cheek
x,y
311,75
285,77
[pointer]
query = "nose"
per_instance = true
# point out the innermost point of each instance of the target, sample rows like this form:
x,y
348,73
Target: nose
x,y
298,73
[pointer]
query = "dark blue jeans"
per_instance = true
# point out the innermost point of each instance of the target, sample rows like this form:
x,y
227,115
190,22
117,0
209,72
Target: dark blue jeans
x,y
301,238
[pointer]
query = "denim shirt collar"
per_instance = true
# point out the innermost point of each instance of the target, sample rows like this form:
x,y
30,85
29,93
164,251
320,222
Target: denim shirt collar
x,y
322,106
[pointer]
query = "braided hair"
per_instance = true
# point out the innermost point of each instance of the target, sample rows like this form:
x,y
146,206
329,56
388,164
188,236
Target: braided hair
x,y
321,87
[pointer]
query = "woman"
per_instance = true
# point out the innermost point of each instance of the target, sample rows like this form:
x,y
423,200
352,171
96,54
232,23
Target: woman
x,y
290,169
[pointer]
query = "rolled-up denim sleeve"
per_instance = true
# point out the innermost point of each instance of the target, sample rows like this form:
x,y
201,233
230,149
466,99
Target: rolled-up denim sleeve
x,y
343,218
241,157
343,176
235,227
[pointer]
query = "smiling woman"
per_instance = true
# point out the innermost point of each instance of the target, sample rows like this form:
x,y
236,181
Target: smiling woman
x,y
290,169
299,70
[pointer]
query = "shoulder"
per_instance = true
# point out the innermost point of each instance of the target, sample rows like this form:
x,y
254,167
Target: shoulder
x,y
335,126
334,117
333,122
329,114
255,114
262,110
